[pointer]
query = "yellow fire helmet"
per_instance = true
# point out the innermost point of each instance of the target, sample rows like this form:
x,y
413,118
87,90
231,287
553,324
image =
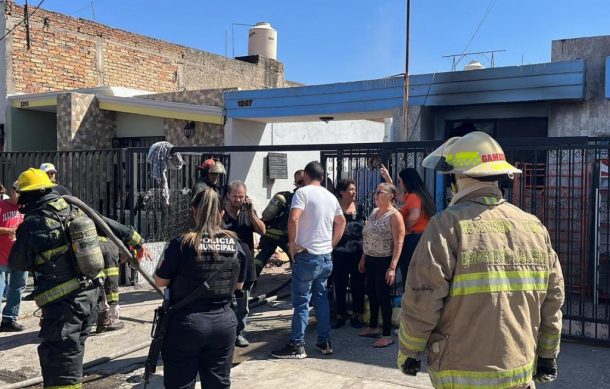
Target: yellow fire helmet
x,y
475,155
33,179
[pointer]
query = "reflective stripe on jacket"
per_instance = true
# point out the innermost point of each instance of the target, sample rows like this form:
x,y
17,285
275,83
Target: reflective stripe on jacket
x,y
483,296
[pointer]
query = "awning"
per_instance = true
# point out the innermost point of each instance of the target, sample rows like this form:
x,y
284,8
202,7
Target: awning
x,y
163,109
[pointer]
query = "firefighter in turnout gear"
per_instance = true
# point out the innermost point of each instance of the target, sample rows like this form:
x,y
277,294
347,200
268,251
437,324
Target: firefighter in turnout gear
x,y
210,171
484,289
202,269
61,245
275,217
108,319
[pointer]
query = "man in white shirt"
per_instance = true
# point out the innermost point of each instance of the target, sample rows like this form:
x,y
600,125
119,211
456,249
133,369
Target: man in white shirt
x,y
315,226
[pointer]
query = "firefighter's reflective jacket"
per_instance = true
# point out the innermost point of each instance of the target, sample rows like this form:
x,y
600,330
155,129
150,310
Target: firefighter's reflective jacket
x,y
483,296
42,246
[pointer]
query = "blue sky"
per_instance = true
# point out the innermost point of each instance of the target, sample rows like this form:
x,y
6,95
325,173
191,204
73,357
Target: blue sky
x,y
324,41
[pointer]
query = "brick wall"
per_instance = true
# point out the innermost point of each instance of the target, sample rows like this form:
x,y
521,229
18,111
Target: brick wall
x,y
69,53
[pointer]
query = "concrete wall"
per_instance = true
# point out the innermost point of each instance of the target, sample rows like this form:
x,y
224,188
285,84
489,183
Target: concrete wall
x,y
33,130
204,134
251,167
132,125
592,116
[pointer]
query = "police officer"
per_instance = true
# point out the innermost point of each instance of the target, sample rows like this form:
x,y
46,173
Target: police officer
x,y
68,299
200,337
275,217
210,171
484,289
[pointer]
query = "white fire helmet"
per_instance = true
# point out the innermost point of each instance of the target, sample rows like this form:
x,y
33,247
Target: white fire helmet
x,y
475,155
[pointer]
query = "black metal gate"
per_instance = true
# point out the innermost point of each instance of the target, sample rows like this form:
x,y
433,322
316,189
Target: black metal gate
x,y
564,183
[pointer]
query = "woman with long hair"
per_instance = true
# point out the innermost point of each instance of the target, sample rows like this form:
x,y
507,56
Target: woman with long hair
x,y
417,210
382,235
346,256
200,337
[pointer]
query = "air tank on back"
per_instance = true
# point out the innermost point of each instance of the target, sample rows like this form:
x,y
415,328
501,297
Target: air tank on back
x,y
262,41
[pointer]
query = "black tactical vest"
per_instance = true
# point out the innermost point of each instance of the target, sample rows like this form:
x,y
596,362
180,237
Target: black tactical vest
x,y
195,269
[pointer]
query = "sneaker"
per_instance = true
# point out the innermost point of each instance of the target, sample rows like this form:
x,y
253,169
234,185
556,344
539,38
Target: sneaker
x,y
241,341
11,326
29,297
324,347
290,351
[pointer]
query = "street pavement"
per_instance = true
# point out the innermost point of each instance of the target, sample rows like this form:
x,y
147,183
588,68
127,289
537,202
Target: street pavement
x,y
355,363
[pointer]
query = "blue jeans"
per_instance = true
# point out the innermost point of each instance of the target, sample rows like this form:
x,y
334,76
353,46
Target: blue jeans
x,y
16,286
309,275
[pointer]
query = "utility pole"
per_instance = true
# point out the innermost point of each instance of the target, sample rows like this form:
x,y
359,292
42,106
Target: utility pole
x,y
405,98
26,21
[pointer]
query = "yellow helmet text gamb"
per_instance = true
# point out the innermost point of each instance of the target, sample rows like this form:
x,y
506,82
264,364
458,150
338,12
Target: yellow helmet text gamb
x,y
473,155
33,179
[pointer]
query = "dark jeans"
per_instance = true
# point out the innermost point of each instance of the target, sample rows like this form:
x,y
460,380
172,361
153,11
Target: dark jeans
x,y
408,247
379,292
66,324
345,272
199,342
240,307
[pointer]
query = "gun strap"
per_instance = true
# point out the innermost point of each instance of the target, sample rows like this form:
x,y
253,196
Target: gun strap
x,y
205,285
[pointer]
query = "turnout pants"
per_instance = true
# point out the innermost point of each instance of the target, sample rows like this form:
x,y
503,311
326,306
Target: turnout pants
x,y
267,246
111,271
199,342
65,326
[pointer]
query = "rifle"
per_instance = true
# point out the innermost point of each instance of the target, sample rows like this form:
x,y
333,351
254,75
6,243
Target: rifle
x,y
163,315
157,332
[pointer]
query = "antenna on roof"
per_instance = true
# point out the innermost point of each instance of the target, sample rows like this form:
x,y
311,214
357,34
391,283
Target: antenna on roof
x,y
457,58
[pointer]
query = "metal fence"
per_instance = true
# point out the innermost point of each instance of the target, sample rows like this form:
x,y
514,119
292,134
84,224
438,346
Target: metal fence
x,y
97,177
564,183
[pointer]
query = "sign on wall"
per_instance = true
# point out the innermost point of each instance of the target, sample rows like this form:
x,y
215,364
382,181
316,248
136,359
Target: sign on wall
x,y
277,166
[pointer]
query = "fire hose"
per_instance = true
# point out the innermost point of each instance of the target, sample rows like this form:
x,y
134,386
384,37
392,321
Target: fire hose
x,y
259,300
101,224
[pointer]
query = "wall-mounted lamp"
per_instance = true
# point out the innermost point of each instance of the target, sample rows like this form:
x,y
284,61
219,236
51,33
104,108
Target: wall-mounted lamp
x,y
326,119
188,129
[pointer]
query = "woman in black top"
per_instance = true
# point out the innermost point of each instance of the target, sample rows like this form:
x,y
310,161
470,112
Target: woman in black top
x,y
346,257
201,336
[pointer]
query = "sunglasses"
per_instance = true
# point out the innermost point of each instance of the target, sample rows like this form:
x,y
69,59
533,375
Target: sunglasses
x,y
380,192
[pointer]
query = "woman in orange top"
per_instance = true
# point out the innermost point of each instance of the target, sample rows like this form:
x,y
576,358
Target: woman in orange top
x,y
417,210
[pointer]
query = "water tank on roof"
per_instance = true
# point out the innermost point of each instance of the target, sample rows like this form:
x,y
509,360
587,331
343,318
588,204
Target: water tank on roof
x,y
474,65
262,41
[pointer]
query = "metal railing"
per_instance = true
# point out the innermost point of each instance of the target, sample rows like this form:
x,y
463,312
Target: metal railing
x,y
565,183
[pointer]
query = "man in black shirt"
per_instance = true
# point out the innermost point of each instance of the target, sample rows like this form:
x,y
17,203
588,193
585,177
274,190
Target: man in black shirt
x,y
241,218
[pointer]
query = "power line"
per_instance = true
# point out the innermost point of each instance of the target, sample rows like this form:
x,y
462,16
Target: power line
x,y
22,21
483,18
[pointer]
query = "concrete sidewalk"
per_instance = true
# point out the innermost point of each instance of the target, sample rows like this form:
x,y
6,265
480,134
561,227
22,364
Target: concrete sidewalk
x,y
356,364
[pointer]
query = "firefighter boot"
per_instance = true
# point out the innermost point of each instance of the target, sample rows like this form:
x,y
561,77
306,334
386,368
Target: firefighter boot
x,y
106,323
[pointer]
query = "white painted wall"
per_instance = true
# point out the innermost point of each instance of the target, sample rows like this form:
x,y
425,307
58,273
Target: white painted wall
x,y
251,168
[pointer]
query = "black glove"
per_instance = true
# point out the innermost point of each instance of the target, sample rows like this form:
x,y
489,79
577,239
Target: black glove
x,y
411,366
546,370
